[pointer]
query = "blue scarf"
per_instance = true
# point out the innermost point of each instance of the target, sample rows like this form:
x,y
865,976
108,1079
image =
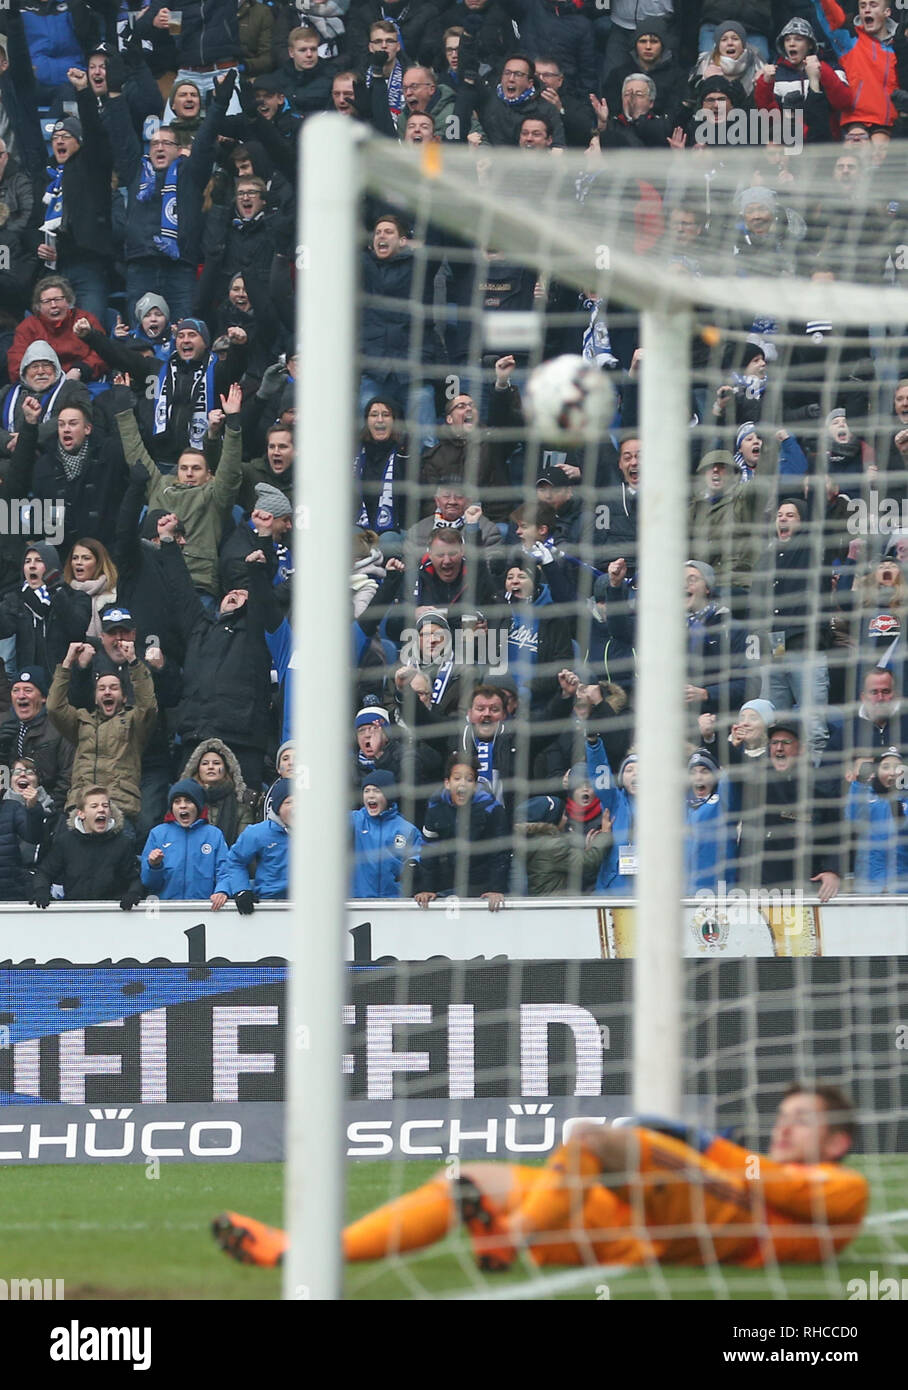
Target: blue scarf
x,y
515,101
166,241
202,398
395,88
47,403
440,683
53,198
386,514
597,344
239,223
697,629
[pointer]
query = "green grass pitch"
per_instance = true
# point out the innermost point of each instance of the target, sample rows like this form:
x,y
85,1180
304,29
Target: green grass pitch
x,y
111,1232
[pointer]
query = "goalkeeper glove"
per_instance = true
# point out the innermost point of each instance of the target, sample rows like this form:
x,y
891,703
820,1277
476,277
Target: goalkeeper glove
x,y
691,1135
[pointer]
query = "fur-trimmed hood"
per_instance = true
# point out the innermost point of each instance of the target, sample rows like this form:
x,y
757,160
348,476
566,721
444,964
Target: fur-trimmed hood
x,y
216,745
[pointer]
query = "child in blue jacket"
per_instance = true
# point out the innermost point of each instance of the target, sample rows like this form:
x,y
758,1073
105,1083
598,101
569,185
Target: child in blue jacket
x,y
877,812
709,838
184,856
618,875
383,842
268,843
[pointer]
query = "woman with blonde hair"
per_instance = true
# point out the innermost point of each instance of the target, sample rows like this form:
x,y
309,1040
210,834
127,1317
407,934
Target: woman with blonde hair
x,y
90,570
731,56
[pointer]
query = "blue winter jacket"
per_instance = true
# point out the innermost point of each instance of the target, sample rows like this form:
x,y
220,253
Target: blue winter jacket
x,y
381,846
881,841
709,843
52,43
267,842
621,808
194,859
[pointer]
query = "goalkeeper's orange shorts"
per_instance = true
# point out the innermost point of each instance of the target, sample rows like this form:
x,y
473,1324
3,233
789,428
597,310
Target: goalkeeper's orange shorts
x,y
683,1209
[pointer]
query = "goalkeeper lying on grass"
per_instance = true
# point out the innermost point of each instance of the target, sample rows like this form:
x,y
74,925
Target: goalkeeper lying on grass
x,y
626,1195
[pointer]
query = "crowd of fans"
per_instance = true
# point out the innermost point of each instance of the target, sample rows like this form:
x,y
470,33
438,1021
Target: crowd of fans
x,y
148,202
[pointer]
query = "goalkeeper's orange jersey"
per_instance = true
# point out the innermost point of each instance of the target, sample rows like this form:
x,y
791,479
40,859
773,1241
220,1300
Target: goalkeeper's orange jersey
x,y
727,1205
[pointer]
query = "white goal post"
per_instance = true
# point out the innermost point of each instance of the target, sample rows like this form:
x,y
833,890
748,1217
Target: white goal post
x,y
512,206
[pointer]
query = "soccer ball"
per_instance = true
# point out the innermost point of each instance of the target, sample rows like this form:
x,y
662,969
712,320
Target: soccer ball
x,y
569,401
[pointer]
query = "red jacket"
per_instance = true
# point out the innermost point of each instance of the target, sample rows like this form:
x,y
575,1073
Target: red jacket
x,y
71,350
838,96
869,65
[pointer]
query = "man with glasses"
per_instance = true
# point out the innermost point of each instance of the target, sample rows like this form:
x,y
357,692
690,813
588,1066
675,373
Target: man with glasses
x,y
575,112
51,321
502,109
77,236
164,192
424,96
385,77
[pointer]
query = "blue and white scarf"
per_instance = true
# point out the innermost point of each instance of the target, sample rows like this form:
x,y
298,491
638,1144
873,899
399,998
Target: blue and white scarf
x,y
53,197
385,516
166,241
240,222
395,87
597,344
42,593
698,627
440,683
484,752
202,398
284,571
515,101
47,403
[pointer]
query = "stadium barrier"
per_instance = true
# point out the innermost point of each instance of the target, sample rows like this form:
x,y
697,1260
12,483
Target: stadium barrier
x,y
724,926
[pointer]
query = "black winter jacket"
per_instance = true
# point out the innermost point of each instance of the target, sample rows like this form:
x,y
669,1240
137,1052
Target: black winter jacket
x,y
90,867
309,91
86,227
52,753
559,30
502,122
143,220
16,824
43,633
210,32
385,332
467,843
226,676
90,501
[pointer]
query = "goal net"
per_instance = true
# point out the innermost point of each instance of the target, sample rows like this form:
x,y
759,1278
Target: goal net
x,y
616,782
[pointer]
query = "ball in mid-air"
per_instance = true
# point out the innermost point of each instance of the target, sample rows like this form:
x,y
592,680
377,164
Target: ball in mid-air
x,y
569,401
